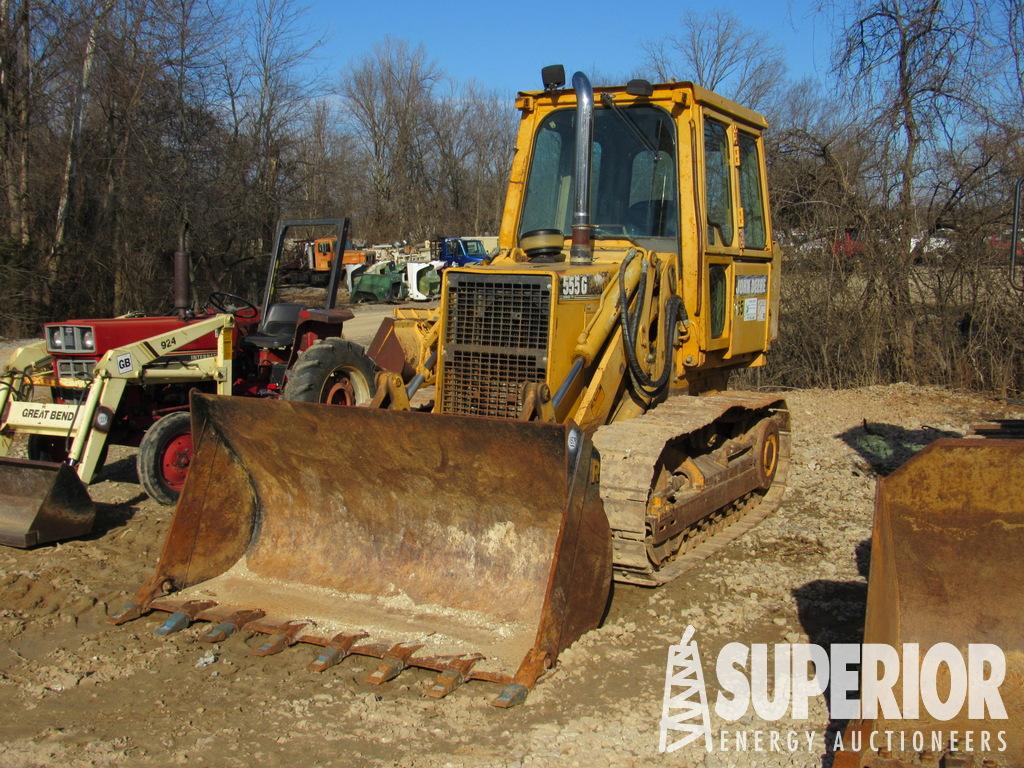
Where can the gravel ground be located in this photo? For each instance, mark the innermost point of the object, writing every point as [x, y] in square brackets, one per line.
[82, 693]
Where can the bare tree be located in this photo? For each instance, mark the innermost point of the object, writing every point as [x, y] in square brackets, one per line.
[913, 61]
[276, 98]
[16, 67]
[388, 96]
[75, 133]
[492, 134]
[717, 51]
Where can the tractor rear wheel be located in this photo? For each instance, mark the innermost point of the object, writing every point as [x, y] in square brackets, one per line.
[164, 457]
[332, 371]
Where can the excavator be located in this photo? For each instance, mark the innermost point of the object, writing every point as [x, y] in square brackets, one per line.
[560, 421]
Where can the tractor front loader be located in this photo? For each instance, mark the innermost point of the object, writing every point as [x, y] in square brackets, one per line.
[127, 381]
[560, 420]
[43, 501]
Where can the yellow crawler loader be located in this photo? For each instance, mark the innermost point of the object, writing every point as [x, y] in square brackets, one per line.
[560, 420]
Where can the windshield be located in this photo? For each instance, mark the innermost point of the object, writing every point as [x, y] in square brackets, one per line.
[633, 189]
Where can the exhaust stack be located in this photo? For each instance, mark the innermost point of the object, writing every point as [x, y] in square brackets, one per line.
[582, 250]
[182, 285]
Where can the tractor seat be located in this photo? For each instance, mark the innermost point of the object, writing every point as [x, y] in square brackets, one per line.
[277, 331]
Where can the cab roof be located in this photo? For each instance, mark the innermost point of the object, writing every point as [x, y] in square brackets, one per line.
[662, 91]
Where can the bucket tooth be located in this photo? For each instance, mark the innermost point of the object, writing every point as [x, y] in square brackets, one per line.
[336, 650]
[221, 631]
[183, 617]
[452, 676]
[394, 661]
[446, 682]
[218, 633]
[511, 695]
[128, 612]
[277, 642]
[176, 622]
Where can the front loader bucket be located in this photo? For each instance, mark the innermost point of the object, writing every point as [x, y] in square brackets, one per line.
[41, 502]
[471, 546]
[946, 567]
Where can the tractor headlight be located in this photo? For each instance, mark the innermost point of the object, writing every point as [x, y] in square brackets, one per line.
[70, 338]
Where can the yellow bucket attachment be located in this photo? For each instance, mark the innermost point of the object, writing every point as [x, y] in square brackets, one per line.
[41, 502]
[947, 567]
[471, 546]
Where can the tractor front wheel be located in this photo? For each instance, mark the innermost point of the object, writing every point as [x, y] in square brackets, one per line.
[332, 371]
[165, 454]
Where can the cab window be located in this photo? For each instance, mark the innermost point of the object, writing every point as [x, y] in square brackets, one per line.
[633, 184]
[751, 197]
[716, 287]
[718, 183]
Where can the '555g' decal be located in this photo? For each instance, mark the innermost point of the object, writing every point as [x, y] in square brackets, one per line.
[584, 286]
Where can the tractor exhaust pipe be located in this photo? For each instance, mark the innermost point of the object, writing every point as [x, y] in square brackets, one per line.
[582, 250]
[182, 285]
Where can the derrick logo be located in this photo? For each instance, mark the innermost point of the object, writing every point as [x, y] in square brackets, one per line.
[936, 683]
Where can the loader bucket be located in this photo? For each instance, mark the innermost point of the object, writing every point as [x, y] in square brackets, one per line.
[946, 567]
[40, 502]
[475, 547]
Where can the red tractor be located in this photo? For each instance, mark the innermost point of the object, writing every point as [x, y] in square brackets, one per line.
[127, 381]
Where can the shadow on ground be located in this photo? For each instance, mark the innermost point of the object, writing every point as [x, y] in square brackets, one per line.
[886, 447]
[112, 516]
[120, 471]
[832, 612]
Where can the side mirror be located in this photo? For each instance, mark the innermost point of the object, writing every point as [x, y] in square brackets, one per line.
[553, 77]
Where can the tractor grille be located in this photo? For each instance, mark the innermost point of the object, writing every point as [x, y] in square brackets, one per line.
[76, 369]
[496, 338]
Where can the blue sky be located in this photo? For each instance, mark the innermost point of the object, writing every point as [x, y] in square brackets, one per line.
[504, 45]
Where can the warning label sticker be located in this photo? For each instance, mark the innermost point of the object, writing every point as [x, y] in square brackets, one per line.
[750, 310]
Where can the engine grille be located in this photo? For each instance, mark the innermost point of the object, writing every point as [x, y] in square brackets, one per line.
[496, 338]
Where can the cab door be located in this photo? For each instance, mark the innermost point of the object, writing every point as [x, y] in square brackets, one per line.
[738, 261]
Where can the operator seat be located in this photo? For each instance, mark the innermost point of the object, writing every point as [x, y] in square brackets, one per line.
[652, 218]
[277, 331]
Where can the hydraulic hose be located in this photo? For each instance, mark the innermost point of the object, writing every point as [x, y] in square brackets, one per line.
[648, 386]
[27, 388]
